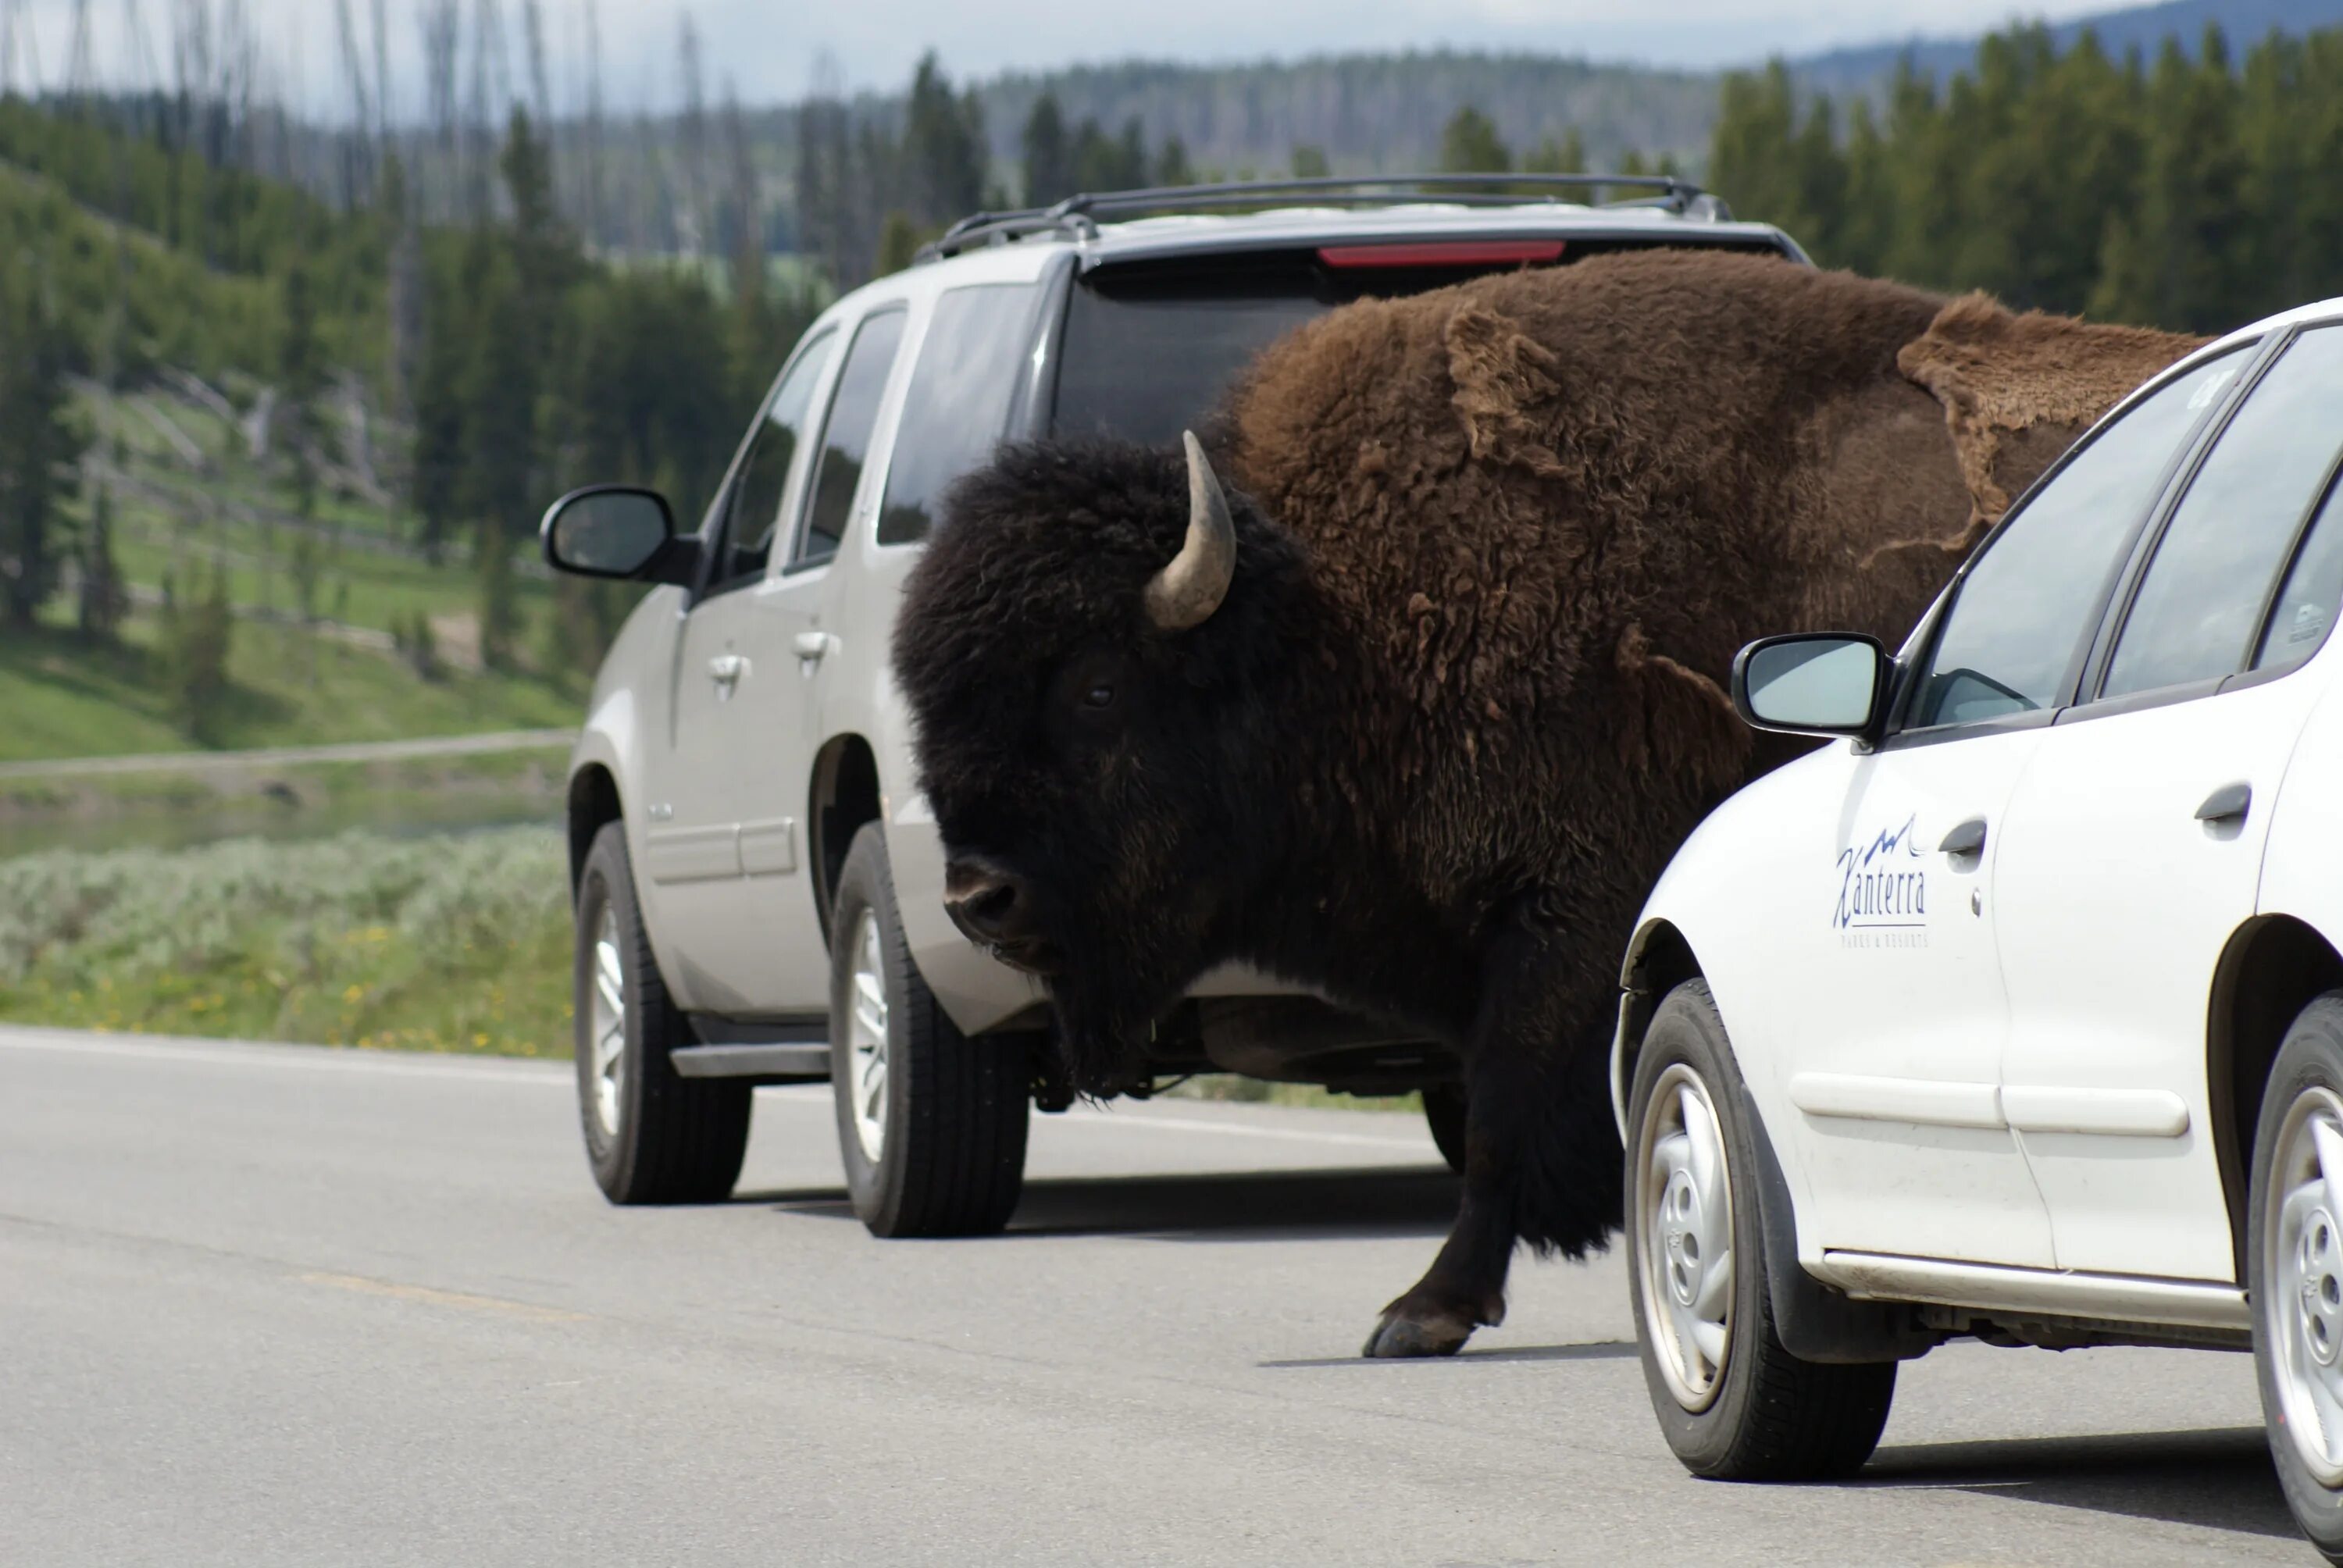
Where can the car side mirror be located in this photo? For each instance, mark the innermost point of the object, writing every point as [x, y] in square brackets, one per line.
[617, 531]
[1823, 683]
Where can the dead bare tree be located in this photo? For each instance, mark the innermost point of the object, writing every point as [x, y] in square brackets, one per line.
[359, 164]
[593, 128]
[748, 209]
[540, 91]
[440, 32]
[694, 129]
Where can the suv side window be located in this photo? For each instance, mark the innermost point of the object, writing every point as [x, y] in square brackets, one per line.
[957, 405]
[2030, 598]
[2200, 606]
[759, 495]
[846, 435]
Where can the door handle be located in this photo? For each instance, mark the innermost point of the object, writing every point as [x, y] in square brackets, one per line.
[728, 668]
[811, 644]
[2226, 804]
[1968, 838]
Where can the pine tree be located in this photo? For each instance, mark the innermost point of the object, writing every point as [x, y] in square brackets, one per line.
[1310, 162]
[105, 598]
[1049, 155]
[1469, 145]
[500, 603]
[40, 445]
[1550, 156]
[198, 638]
[300, 382]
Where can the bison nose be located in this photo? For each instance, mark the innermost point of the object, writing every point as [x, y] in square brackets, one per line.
[989, 905]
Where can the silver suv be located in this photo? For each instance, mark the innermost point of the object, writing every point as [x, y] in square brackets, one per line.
[758, 882]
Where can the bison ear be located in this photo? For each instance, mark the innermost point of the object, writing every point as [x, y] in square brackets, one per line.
[1996, 371]
[1506, 389]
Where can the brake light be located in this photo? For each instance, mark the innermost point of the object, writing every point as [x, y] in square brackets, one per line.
[1443, 253]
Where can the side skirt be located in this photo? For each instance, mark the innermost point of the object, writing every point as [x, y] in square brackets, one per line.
[2210, 1313]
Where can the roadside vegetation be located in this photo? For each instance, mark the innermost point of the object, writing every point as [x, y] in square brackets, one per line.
[440, 943]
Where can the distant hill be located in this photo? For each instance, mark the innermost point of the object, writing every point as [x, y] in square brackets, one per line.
[2141, 28]
[1366, 111]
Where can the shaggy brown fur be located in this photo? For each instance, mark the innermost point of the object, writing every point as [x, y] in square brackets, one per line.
[1497, 548]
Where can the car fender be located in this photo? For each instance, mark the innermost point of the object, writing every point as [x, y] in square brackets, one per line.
[1708, 917]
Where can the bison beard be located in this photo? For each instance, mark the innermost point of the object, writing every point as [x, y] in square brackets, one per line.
[1423, 737]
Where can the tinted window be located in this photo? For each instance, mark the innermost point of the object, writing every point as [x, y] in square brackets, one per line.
[2306, 606]
[761, 493]
[1143, 363]
[2029, 598]
[846, 436]
[958, 404]
[2198, 609]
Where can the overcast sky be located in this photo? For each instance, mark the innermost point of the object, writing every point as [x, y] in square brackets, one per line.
[768, 50]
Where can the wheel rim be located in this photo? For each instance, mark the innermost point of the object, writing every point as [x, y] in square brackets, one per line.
[1684, 1216]
[609, 1024]
[2300, 1298]
[866, 1038]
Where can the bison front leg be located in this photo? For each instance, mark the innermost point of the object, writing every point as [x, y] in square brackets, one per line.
[1542, 1158]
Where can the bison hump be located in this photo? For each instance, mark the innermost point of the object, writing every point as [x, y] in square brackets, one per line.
[1506, 385]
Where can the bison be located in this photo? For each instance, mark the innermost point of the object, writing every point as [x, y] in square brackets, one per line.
[1413, 707]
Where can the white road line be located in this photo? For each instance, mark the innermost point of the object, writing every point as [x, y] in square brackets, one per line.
[1110, 1119]
[295, 1058]
[184, 1051]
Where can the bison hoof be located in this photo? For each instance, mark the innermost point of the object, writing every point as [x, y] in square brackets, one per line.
[1404, 1334]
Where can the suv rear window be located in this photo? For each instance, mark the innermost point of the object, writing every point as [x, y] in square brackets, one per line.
[1149, 347]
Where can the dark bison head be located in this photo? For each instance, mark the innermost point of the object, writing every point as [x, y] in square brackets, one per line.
[1093, 650]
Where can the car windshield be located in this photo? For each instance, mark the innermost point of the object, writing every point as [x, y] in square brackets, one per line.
[1151, 347]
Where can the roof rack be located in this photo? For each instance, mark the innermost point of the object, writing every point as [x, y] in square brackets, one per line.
[1079, 215]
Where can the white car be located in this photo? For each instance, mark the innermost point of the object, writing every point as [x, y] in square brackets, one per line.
[759, 883]
[2015, 1011]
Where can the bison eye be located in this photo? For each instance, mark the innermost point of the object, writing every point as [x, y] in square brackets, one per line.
[1099, 695]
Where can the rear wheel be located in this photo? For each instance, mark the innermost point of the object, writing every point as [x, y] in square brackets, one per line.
[1733, 1404]
[652, 1136]
[2295, 1260]
[931, 1123]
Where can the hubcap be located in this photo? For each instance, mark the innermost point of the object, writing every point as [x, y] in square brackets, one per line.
[2301, 1295]
[866, 1035]
[609, 1024]
[1684, 1218]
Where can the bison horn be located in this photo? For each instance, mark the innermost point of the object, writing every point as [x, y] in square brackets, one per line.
[1191, 585]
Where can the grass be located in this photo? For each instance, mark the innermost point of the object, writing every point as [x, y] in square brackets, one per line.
[66, 697]
[447, 943]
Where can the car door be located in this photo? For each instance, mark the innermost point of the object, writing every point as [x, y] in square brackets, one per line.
[2134, 843]
[722, 843]
[1895, 1061]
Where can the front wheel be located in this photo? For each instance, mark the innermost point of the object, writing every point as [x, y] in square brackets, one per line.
[931, 1123]
[2294, 1258]
[1733, 1404]
[652, 1135]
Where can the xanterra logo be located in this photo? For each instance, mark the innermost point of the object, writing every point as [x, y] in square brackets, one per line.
[1880, 888]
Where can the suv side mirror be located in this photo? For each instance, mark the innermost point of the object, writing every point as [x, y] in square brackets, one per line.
[617, 531]
[1821, 683]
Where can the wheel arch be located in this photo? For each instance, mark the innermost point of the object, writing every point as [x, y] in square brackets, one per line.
[594, 801]
[845, 794]
[1659, 958]
[2272, 968]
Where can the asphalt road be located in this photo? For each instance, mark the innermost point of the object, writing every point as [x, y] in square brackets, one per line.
[269, 1304]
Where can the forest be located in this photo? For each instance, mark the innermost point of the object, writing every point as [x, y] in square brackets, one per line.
[243, 408]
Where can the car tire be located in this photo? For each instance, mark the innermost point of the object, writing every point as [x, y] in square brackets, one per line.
[1733, 1403]
[931, 1122]
[1443, 1112]
[652, 1136]
[2294, 1268]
